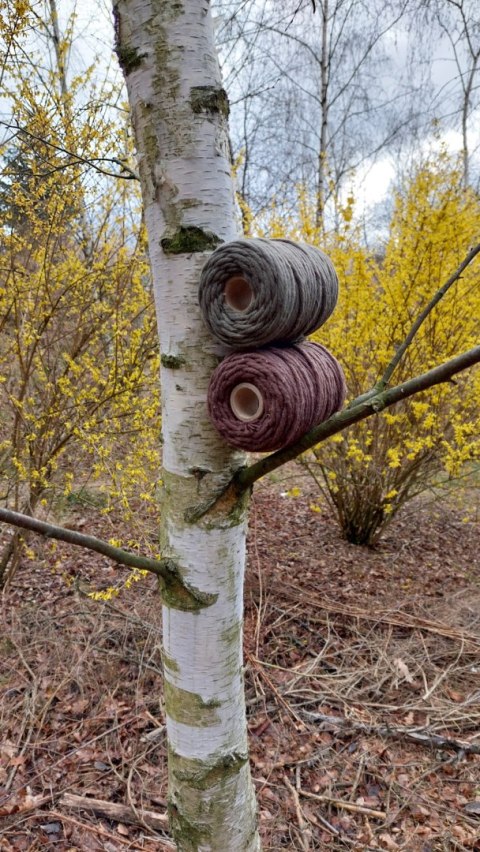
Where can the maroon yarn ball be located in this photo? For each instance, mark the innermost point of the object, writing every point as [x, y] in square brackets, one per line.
[262, 401]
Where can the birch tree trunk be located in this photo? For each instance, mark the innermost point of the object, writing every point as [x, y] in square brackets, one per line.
[167, 53]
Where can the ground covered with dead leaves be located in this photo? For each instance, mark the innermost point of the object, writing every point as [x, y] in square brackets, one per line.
[362, 678]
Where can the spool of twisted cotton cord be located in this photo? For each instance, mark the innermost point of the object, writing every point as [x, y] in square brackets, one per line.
[257, 292]
[264, 400]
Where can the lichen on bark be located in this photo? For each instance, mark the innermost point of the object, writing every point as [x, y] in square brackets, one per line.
[201, 775]
[191, 820]
[189, 708]
[129, 57]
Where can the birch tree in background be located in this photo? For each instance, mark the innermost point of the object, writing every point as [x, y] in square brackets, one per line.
[457, 104]
[178, 107]
[318, 99]
[314, 96]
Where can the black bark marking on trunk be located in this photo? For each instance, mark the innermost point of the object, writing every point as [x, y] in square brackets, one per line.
[208, 99]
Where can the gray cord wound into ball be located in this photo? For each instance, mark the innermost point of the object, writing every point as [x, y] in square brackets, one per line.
[256, 292]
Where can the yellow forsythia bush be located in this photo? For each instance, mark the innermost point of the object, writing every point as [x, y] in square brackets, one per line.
[79, 394]
[373, 468]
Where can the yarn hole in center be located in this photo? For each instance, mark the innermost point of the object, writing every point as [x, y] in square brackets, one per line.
[238, 293]
[246, 402]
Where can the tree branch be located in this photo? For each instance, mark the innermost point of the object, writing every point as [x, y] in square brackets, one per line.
[161, 567]
[383, 382]
[361, 408]
[126, 173]
[175, 589]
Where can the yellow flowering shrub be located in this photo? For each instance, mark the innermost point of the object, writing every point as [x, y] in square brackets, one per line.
[79, 362]
[374, 467]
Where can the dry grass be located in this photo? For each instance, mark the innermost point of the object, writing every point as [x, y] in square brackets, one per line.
[354, 703]
[81, 713]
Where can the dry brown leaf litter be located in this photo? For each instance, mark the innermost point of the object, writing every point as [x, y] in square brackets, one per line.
[350, 655]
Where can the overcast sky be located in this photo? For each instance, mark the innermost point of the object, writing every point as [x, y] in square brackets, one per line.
[94, 38]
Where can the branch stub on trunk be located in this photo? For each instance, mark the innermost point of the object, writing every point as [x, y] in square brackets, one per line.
[209, 99]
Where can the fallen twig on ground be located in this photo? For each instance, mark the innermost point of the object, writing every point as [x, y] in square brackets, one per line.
[259, 668]
[115, 811]
[301, 822]
[346, 806]
[424, 737]
[101, 832]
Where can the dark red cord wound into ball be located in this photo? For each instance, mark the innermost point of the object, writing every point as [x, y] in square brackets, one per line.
[262, 401]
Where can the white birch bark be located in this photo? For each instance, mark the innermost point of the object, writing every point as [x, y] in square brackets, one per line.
[178, 107]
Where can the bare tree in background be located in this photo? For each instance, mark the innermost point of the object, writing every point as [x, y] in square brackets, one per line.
[313, 96]
[457, 102]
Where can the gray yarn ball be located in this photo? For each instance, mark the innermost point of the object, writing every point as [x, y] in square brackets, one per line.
[255, 292]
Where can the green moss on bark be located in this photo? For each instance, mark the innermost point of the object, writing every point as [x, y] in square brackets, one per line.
[190, 239]
[129, 57]
[203, 775]
[178, 594]
[168, 662]
[181, 596]
[211, 784]
[172, 362]
[188, 836]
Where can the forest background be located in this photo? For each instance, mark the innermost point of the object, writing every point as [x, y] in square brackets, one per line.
[323, 107]
[328, 111]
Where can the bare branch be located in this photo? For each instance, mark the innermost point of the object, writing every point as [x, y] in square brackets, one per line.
[423, 737]
[422, 317]
[173, 585]
[161, 567]
[126, 172]
[361, 408]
